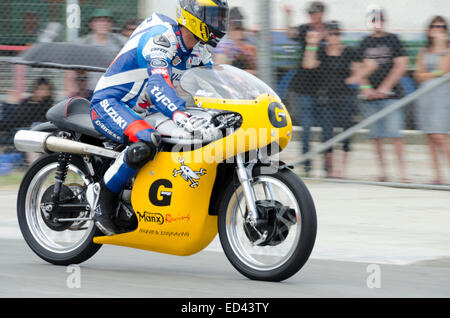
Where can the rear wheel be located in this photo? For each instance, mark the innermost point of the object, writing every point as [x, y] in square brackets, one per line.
[60, 243]
[281, 242]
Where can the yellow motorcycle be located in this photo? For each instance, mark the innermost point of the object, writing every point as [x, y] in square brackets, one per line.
[194, 188]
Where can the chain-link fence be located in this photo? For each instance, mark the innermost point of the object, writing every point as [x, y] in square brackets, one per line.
[26, 93]
[337, 77]
[331, 73]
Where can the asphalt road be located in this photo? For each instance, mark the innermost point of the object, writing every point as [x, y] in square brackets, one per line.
[372, 242]
[122, 272]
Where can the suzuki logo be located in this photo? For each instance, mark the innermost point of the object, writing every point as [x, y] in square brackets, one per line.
[113, 114]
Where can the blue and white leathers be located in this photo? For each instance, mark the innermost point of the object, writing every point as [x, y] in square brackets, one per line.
[151, 62]
[145, 73]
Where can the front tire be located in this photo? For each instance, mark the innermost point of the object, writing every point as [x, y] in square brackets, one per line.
[275, 261]
[70, 246]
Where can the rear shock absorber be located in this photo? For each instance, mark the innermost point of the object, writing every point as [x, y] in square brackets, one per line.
[61, 174]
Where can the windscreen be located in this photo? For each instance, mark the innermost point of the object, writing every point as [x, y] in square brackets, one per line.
[223, 82]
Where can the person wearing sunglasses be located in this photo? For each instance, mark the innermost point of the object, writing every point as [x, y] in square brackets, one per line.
[335, 63]
[433, 109]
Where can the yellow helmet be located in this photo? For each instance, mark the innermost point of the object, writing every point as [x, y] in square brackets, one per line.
[206, 19]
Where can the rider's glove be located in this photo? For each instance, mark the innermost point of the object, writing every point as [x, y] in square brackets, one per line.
[195, 125]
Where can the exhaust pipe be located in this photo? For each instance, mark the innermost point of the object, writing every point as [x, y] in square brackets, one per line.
[44, 142]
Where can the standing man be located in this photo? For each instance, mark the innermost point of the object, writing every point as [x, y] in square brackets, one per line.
[306, 82]
[382, 88]
[100, 23]
[336, 62]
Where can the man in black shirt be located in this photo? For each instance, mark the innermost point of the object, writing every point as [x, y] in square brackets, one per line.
[335, 63]
[306, 82]
[381, 87]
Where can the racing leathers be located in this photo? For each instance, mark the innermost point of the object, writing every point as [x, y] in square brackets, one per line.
[144, 74]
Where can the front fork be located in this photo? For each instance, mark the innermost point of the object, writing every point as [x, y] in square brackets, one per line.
[245, 178]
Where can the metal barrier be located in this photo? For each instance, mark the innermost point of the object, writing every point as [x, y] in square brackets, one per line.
[373, 119]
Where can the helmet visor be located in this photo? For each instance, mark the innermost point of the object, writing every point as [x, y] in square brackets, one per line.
[216, 18]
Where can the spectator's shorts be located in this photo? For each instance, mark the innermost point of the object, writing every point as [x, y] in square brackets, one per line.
[387, 127]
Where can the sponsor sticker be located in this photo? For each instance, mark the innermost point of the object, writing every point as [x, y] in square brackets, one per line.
[148, 217]
[159, 63]
[188, 174]
[204, 32]
[112, 113]
[163, 99]
[176, 61]
[160, 71]
[161, 40]
[159, 193]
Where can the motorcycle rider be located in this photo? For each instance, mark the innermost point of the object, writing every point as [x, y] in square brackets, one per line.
[145, 74]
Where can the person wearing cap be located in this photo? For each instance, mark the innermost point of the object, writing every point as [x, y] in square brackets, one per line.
[381, 87]
[100, 23]
[335, 63]
[306, 81]
[235, 49]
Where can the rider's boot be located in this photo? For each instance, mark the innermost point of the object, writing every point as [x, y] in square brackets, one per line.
[107, 200]
[116, 178]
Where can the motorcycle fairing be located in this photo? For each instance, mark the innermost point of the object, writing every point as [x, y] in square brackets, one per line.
[171, 195]
[171, 199]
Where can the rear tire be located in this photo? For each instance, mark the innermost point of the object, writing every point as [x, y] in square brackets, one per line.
[27, 214]
[305, 240]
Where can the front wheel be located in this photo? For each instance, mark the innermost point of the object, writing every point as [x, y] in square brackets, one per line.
[281, 242]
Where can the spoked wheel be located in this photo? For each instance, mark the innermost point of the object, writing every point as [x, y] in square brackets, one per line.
[279, 244]
[58, 242]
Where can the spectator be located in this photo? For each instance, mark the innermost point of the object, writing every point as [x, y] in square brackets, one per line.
[434, 107]
[382, 88]
[100, 23]
[235, 49]
[306, 81]
[31, 110]
[335, 63]
[81, 81]
[129, 27]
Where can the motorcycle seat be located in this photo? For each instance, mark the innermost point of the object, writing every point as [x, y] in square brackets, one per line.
[73, 114]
